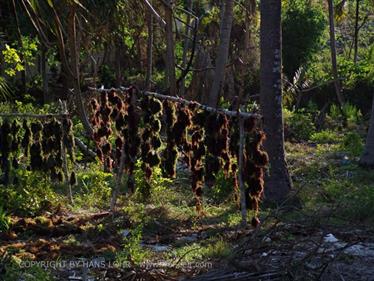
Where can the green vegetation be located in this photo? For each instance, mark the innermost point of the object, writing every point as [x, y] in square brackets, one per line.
[53, 53]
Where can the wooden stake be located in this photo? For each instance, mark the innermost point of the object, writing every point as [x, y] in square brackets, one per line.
[64, 158]
[241, 166]
[119, 176]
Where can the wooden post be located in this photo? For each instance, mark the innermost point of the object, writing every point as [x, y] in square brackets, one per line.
[64, 158]
[241, 166]
[118, 180]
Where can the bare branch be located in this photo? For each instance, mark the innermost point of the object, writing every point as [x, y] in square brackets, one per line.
[154, 12]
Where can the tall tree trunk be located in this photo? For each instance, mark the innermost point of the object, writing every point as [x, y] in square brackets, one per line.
[44, 74]
[367, 158]
[148, 77]
[278, 183]
[20, 44]
[223, 53]
[118, 51]
[333, 54]
[356, 32]
[74, 66]
[186, 45]
[170, 55]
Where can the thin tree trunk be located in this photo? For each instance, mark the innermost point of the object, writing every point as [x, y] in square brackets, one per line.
[356, 32]
[148, 77]
[278, 182]
[19, 38]
[333, 54]
[223, 53]
[170, 55]
[367, 158]
[118, 49]
[243, 207]
[74, 65]
[43, 70]
[185, 46]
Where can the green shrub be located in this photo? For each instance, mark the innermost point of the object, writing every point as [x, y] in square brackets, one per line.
[325, 136]
[350, 111]
[4, 220]
[353, 144]
[303, 25]
[222, 189]
[133, 252]
[32, 195]
[356, 200]
[93, 189]
[14, 271]
[299, 124]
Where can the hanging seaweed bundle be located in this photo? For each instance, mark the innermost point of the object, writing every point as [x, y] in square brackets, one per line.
[181, 125]
[196, 165]
[223, 146]
[214, 145]
[15, 139]
[120, 121]
[73, 179]
[36, 157]
[170, 153]
[116, 103]
[5, 148]
[47, 141]
[95, 107]
[151, 141]
[5, 138]
[26, 138]
[105, 109]
[131, 134]
[45, 152]
[254, 163]
[234, 135]
[36, 129]
[68, 137]
[180, 132]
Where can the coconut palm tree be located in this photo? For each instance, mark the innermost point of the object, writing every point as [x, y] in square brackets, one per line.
[278, 183]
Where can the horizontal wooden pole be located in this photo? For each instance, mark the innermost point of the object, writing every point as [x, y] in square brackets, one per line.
[244, 115]
[30, 115]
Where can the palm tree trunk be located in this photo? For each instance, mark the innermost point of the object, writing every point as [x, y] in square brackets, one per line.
[333, 54]
[223, 53]
[367, 158]
[278, 183]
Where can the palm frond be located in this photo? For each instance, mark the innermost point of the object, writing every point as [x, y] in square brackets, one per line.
[5, 89]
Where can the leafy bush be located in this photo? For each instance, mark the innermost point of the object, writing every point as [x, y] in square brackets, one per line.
[353, 144]
[30, 196]
[94, 188]
[325, 136]
[4, 220]
[351, 112]
[133, 252]
[222, 189]
[302, 28]
[357, 200]
[107, 76]
[14, 271]
[299, 124]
